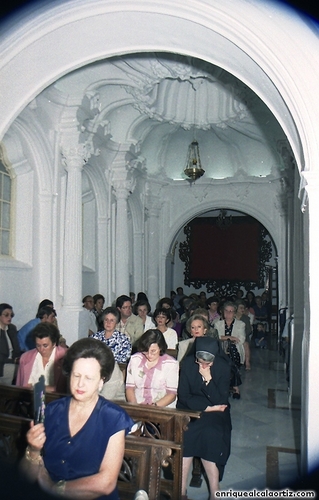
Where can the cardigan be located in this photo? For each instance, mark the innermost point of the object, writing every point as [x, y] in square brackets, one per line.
[26, 365]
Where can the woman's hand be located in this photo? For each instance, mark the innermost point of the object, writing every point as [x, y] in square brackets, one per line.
[234, 339]
[205, 373]
[216, 408]
[50, 388]
[36, 436]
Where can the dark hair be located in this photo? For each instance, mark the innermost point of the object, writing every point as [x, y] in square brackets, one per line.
[5, 306]
[86, 297]
[253, 296]
[212, 299]
[150, 337]
[43, 330]
[141, 296]
[141, 303]
[164, 300]
[97, 297]
[240, 302]
[173, 313]
[121, 299]
[187, 302]
[110, 310]
[260, 324]
[90, 348]
[198, 317]
[165, 312]
[44, 303]
[45, 311]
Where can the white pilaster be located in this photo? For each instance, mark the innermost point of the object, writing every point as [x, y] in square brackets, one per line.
[73, 160]
[154, 208]
[123, 184]
[310, 405]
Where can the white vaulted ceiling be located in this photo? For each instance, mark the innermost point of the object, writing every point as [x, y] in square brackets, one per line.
[160, 101]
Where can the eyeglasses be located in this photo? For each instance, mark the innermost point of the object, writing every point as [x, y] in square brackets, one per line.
[7, 315]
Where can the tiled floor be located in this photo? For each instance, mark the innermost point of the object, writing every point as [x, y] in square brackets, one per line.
[265, 435]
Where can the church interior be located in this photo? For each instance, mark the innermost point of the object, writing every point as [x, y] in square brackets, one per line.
[122, 124]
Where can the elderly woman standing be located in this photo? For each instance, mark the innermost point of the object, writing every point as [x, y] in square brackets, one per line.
[83, 435]
[204, 386]
[152, 375]
[46, 359]
[232, 332]
[9, 345]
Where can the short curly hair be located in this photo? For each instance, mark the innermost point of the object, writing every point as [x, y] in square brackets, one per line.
[44, 330]
[90, 348]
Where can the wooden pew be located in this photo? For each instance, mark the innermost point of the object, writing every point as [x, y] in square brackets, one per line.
[170, 423]
[16, 401]
[13, 436]
[167, 423]
[141, 468]
[158, 424]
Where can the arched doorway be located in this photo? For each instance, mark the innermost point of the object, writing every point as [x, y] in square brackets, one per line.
[265, 70]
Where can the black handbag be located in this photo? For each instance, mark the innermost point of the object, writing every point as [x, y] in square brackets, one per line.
[231, 351]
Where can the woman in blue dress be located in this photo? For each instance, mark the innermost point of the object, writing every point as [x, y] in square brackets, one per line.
[78, 451]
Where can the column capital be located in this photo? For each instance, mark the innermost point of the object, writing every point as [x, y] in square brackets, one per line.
[75, 156]
[123, 188]
[122, 177]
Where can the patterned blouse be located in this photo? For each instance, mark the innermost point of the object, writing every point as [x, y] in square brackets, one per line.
[229, 329]
[118, 342]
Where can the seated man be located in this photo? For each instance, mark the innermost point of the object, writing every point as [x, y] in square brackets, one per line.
[45, 313]
[87, 319]
[129, 324]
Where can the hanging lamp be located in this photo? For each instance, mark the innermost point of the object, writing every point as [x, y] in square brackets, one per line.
[193, 168]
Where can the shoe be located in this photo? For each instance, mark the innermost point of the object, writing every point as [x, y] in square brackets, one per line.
[236, 395]
[247, 368]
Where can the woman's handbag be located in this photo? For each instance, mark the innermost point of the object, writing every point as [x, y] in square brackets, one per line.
[231, 350]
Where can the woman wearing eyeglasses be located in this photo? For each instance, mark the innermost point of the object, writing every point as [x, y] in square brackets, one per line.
[204, 386]
[9, 345]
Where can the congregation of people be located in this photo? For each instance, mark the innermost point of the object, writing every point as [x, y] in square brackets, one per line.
[187, 354]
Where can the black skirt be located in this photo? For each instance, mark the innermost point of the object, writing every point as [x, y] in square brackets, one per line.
[209, 438]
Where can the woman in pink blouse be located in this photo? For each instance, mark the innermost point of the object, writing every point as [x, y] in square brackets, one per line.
[152, 375]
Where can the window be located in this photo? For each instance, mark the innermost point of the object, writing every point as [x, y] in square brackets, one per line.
[5, 210]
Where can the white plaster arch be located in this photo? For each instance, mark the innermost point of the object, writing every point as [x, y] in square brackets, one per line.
[30, 133]
[100, 188]
[237, 31]
[216, 204]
